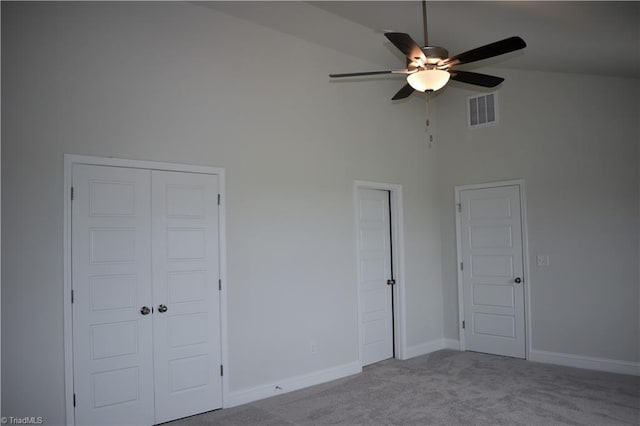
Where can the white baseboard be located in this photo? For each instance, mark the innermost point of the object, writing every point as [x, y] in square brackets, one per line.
[601, 364]
[452, 344]
[432, 346]
[293, 383]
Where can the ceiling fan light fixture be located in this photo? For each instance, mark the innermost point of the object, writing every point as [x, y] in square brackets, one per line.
[428, 80]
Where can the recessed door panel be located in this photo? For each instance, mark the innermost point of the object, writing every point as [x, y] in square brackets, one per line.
[496, 295]
[184, 201]
[113, 292]
[186, 329]
[188, 373]
[115, 388]
[373, 239]
[373, 209]
[375, 332]
[186, 243]
[374, 301]
[186, 286]
[493, 265]
[489, 208]
[373, 270]
[490, 237]
[112, 198]
[494, 325]
[113, 245]
[114, 339]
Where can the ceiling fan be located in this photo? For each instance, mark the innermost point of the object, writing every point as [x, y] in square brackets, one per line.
[429, 68]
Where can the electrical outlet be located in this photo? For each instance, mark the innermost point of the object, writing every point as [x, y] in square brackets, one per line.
[542, 260]
[313, 347]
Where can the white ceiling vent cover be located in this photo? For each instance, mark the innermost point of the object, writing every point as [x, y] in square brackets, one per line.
[482, 110]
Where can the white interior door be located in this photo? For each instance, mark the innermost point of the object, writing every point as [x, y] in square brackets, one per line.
[492, 270]
[111, 281]
[185, 293]
[374, 257]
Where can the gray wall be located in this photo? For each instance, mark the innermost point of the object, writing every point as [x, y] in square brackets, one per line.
[574, 140]
[179, 82]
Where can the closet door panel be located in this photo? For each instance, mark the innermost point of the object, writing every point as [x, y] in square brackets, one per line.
[111, 282]
[186, 325]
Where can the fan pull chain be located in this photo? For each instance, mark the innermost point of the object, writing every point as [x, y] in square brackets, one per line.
[428, 120]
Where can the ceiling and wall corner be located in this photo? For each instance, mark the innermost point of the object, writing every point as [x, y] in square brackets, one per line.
[588, 37]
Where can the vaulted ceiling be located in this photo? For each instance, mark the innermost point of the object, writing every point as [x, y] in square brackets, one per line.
[588, 37]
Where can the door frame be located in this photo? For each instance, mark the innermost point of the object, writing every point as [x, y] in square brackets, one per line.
[69, 161]
[525, 257]
[397, 243]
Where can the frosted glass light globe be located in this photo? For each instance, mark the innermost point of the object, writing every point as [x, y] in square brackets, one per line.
[428, 80]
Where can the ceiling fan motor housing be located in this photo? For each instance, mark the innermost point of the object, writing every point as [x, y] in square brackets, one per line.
[435, 54]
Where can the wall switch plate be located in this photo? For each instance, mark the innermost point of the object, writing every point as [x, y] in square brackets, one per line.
[542, 260]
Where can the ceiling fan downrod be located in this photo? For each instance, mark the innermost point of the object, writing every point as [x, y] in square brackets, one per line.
[424, 22]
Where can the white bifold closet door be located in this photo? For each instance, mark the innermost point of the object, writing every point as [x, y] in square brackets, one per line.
[146, 308]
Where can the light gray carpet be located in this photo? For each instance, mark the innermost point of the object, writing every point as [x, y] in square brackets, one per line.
[449, 387]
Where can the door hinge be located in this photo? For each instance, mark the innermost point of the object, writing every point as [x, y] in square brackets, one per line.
[74, 399]
[463, 324]
[71, 296]
[461, 266]
[221, 370]
[72, 193]
[218, 199]
[460, 207]
[220, 284]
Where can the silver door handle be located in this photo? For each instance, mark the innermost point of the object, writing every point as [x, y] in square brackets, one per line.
[518, 280]
[145, 310]
[162, 308]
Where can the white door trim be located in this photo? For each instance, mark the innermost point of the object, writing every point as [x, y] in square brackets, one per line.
[397, 231]
[525, 257]
[69, 161]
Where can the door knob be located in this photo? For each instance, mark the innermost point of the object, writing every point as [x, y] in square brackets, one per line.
[162, 308]
[145, 310]
[518, 280]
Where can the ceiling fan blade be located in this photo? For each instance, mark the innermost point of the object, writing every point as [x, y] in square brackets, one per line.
[487, 51]
[403, 93]
[478, 79]
[405, 43]
[358, 74]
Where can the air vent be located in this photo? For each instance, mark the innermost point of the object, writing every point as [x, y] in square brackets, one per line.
[482, 110]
